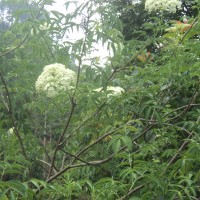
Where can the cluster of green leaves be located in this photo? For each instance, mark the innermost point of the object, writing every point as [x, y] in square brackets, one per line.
[142, 144]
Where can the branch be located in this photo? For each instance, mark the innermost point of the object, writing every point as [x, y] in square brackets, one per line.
[177, 109]
[6, 105]
[73, 105]
[64, 170]
[13, 49]
[10, 113]
[85, 163]
[97, 141]
[131, 192]
[180, 108]
[185, 143]
[107, 134]
[49, 48]
[83, 123]
[95, 162]
[193, 98]
[46, 163]
[131, 60]
[23, 40]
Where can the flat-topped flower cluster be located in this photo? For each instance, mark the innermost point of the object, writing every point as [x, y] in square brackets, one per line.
[55, 79]
[162, 5]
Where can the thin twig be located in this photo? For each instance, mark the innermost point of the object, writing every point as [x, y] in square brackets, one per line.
[131, 192]
[94, 162]
[185, 143]
[107, 134]
[115, 70]
[193, 98]
[6, 105]
[83, 123]
[24, 39]
[48, 164]
[16, 47]
[98, 140]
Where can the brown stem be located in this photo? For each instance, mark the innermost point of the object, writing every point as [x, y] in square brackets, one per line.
[107, 134]
[94, 162]
[180, 108]
[10, 112]
[13, 49]
[185, 143]
[126, 64]
[97, 141]
[83, 123]
[193, 98]
[73, 105]
[85, 163]
[131, 192]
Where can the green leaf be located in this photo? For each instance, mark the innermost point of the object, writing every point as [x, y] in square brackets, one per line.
[12, 196]
[37, 183]
[18, 187]
[127, 141]
[156, 180]
[116, 146]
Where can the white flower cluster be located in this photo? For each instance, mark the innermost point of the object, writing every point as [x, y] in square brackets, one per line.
[113, 91]
[162, 5]
[54, 79]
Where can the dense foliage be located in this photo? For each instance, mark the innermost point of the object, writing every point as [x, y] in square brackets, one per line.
[128, 129]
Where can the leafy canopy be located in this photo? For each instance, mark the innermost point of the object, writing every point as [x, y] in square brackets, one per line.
[129, 128]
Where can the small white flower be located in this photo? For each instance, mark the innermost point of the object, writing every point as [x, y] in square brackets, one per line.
[113, 91]
[185, 20]
[54, 79]
[11, 131]
[162, 5]
[44, 26]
